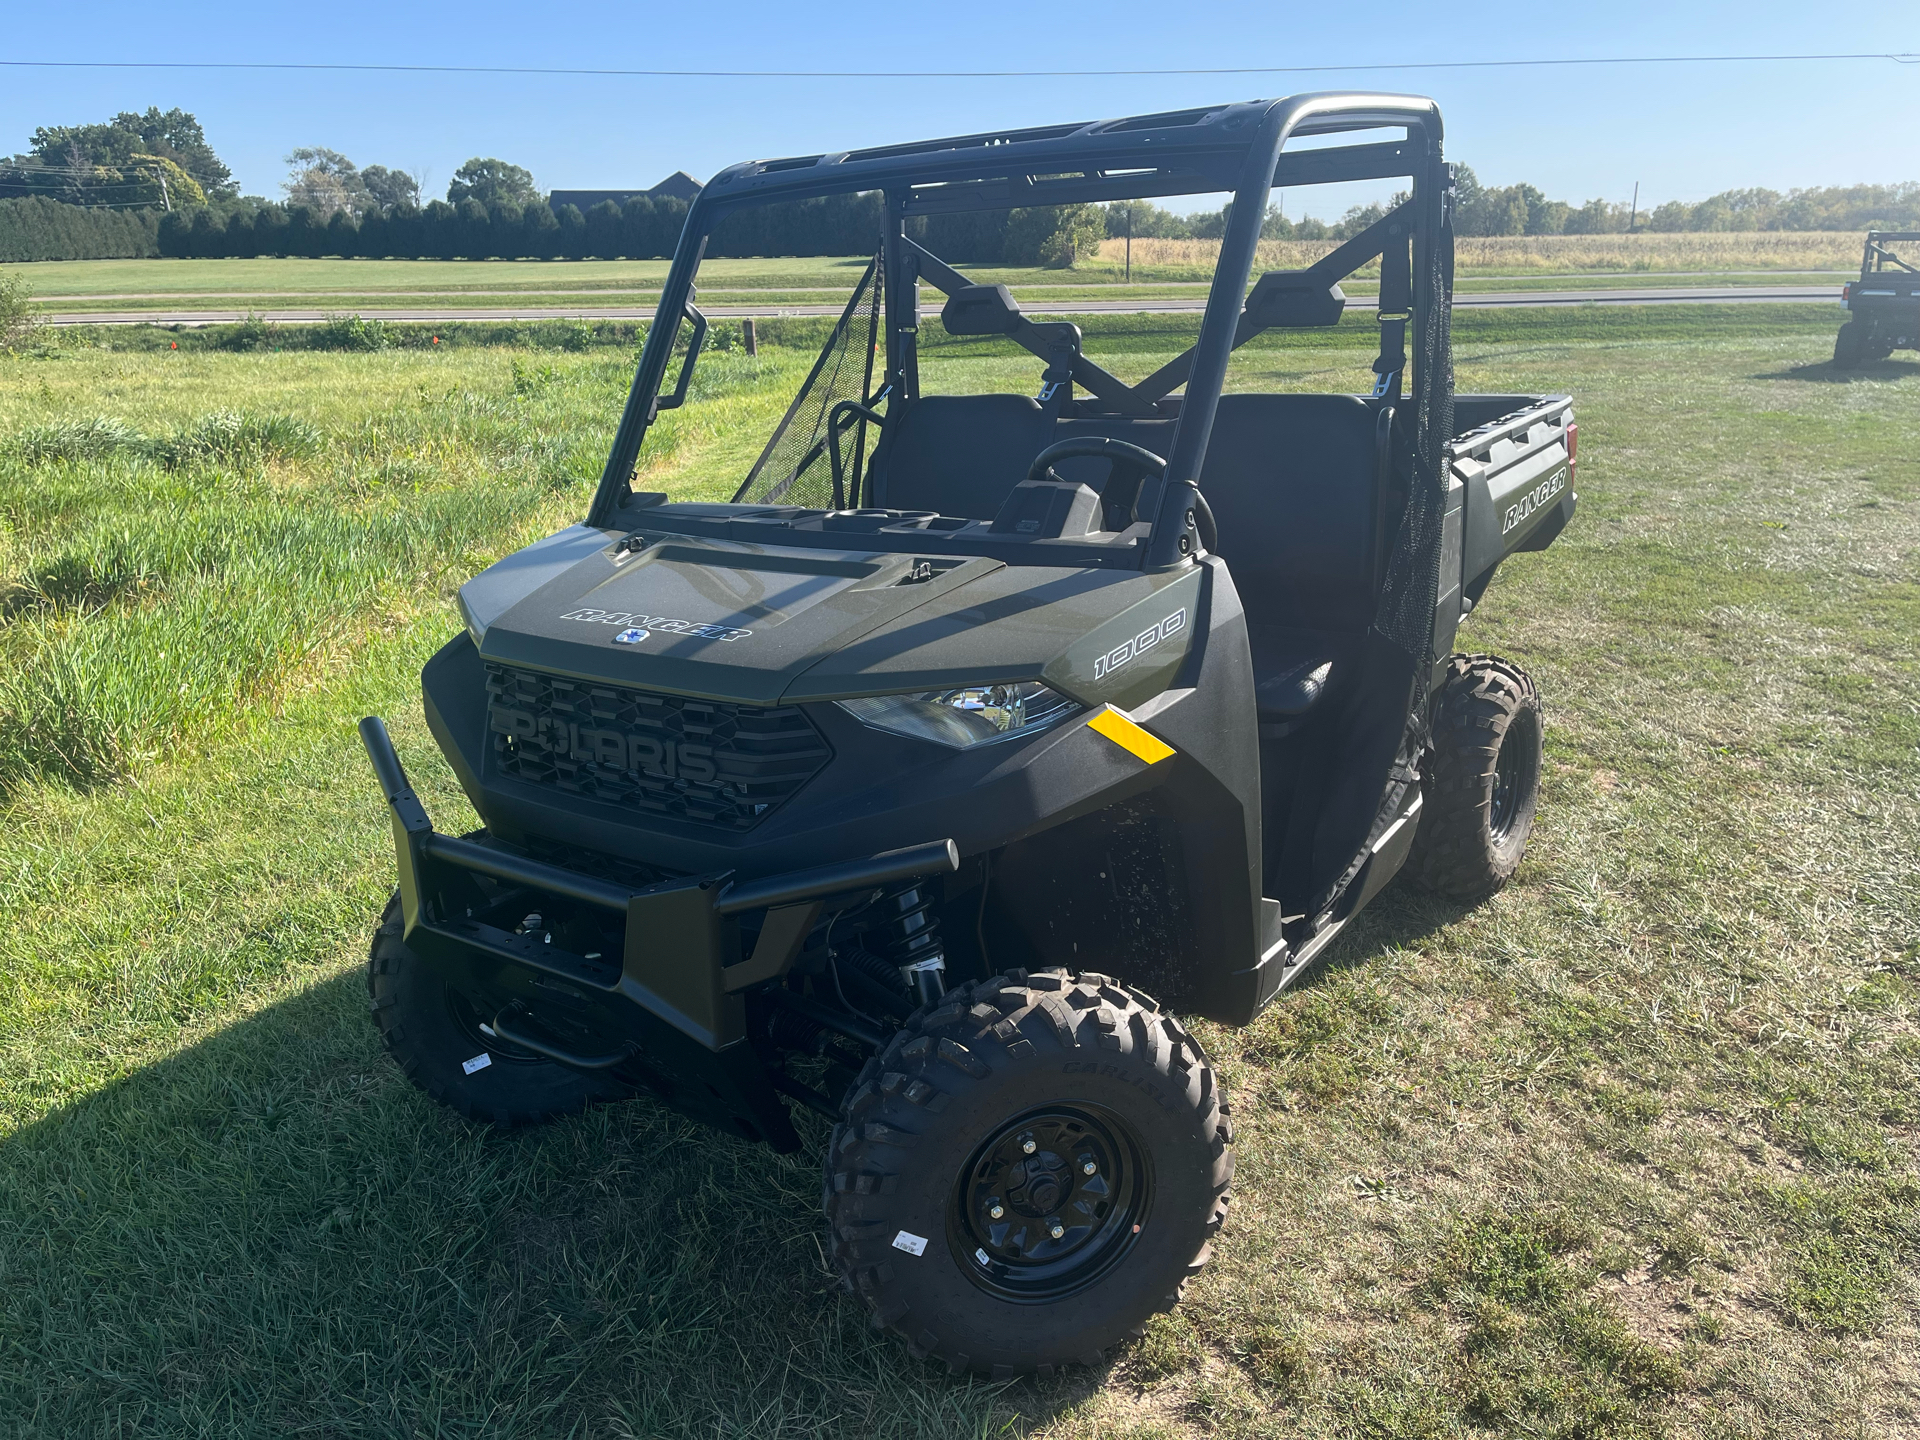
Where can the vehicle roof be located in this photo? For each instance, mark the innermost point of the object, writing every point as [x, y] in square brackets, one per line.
[1175, 152]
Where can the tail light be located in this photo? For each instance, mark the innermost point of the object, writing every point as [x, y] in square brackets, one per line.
[1573, 444]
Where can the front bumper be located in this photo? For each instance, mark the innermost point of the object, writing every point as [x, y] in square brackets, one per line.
[671, 1011]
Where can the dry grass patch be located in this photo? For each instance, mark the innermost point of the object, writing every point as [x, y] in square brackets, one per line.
[1546, 254]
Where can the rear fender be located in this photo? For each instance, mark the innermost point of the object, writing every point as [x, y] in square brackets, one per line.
[1516, 478]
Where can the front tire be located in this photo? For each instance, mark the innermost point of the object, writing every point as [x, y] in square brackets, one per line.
[1028, 1172]
[1482, 779]
[435, 1034]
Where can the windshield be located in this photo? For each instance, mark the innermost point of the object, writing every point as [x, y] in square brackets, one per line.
[974, 340]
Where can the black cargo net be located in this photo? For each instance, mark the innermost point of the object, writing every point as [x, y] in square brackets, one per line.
[1401, 637]
[1411, 587]
[817, 452]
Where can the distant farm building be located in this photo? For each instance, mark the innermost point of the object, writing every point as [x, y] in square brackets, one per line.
[677, 186]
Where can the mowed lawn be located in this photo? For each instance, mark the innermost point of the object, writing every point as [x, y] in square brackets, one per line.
[1161, 270]
[1626, 1152]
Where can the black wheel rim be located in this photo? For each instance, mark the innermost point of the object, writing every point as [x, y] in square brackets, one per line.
[1512, 774]
[1072, 1186]
[466, 1015]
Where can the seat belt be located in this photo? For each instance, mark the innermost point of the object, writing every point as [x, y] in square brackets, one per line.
[1056, 381]
[1396, 308]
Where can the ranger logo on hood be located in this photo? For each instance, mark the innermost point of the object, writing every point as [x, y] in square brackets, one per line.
[665, 624]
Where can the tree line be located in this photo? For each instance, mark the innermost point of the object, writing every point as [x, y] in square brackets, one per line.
[151, 184]
[1524, 210]
[438, 230]
[36, 228]
[642, 228]
[159, 159]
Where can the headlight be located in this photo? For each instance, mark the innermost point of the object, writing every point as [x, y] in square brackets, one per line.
[971, 715]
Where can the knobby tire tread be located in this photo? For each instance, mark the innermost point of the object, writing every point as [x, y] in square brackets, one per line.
[429, 1055]
[931, 1068]
[1454, 853]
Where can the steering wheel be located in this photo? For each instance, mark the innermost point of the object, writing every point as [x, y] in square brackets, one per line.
[1132, 464]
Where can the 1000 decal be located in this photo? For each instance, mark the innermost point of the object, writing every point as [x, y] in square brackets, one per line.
[1136, 646]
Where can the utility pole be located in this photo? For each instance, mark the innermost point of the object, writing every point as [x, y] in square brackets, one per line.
[1633, 214]
[166, 196]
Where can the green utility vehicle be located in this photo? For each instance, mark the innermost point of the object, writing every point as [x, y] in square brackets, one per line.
[981, 736]
[1883, 304]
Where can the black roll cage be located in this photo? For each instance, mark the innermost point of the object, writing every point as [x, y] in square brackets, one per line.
[1879, 259]
[1237, 148]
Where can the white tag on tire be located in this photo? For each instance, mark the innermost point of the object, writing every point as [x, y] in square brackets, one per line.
[911, 1243]
[479, 1062]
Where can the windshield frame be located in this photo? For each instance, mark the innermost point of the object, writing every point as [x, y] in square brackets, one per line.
[1237, 147]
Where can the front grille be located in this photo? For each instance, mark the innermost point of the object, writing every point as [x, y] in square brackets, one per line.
[702, 761]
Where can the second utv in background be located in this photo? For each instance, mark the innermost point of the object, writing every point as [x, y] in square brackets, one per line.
[1883, 305]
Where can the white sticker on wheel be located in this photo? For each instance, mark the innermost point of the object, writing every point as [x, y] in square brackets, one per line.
[479, 1062]
[983, 1257]
[913, 1244]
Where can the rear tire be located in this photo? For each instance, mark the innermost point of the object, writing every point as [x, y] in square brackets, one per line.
[1481, 779]
[433, 1033]
[934, 1137]
[1850, 346]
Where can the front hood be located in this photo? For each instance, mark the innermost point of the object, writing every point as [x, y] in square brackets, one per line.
[765, 625]
[712, 619]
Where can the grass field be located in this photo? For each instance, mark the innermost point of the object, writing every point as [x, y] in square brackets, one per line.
[1643, 253]
[1036, 296]
[1627, 1152]
[1585, 262]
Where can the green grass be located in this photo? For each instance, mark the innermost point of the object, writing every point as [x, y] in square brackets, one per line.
[339, 285]
[276, 274]
[1626, 1152]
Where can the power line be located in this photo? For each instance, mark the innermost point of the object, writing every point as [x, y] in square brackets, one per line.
[1898, 57]
[7, 168]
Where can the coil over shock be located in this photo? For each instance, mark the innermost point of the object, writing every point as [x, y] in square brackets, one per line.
[907, 933]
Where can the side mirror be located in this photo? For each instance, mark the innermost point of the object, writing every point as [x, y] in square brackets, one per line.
[679, 395]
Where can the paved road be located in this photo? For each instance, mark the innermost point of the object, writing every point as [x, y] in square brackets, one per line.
[1472, 300]
[645, 290]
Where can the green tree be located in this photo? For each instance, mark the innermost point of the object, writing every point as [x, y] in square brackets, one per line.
[1054, 235]
[1212, 225]
[390, 187]
[112, 145]
[39, 227]
[1478, 210]
[1674, 215]
[1149, 221]
[492, 182]
[1358, 218]
[325, 181]
[1597, 217]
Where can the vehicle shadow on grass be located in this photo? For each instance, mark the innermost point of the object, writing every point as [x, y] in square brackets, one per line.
[1398, 917]
[272, 1229]
[1827, 373]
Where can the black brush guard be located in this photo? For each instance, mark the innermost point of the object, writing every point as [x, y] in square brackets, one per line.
[671, 1013]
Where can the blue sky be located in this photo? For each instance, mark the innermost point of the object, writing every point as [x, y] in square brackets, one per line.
[1681, 131]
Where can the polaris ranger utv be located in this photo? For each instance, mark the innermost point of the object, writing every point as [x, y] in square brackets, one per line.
[1883, 304]
[900, 787]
